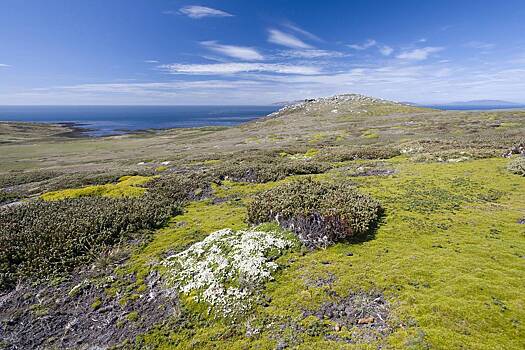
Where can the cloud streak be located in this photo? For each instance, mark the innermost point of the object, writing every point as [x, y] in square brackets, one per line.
[198, 12]
[239, 52]
[239, 67]
[419, 54]
[384, 50]
[285, 39]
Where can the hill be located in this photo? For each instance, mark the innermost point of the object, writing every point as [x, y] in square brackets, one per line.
[346, 222]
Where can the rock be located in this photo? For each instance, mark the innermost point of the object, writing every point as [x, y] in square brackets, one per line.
[365, 320]
[337, 327]
[349, 254]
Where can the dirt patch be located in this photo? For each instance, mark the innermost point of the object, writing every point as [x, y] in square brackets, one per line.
[81, 314]
[364, 314]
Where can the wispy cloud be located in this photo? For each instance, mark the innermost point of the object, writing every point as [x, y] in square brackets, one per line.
[301, 31]
[419, 54]
[151, 61]
[368, 44]
[201, 12]
[480, 45]
[285, 39]
[384, 50]
[240, 52]
[312, 53]
[4, 65]
[240, 67]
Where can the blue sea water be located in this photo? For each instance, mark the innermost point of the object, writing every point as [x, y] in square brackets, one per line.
[114, 120]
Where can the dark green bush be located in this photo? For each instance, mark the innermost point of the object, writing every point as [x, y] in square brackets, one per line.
[265, 170]
[319, 213]
[180, 188]
[8, 197]
[40, 239]
[19, 178]
[347, 154]
[517, 165]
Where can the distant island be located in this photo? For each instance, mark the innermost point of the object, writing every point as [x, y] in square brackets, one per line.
[472, 105]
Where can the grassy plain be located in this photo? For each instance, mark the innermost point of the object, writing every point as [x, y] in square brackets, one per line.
[448, 256]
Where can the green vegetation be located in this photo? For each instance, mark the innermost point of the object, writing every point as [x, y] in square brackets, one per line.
[319, 213]
[180, 264]
[127, 186]
[41, 239]
[517, 166]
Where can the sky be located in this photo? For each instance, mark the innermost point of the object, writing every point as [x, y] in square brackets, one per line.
[155, 52]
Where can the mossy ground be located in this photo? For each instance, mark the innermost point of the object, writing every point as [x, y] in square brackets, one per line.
[448, 257]
[127, 186]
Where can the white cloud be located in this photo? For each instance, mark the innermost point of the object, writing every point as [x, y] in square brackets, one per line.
[240, 52]
[280, 38]
[4, 65]
[201, 12]
[301, 31]
[385, 50]
[151, 61]
[480, 45]
[241, 67]
[368, 44]
[419, 54]
[312, 53]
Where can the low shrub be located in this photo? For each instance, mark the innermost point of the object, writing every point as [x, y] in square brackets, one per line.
[349, 154]
[8, 197]
[180, 188]
[40, 239]
[19, 178]
[319, 213]
[268, 170]
[517, 165]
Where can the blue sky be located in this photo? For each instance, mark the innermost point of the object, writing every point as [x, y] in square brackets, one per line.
[259, 52]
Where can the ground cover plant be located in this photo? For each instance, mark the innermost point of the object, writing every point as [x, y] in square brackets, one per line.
[226, 268]
[517, 166]
[42, 239]
[443, 269]
[127, 186]
[319, 213]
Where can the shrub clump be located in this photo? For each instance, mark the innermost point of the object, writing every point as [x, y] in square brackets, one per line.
[40, 239]
[266, 171]
[517, 166]
[319, 213]
[348, 154]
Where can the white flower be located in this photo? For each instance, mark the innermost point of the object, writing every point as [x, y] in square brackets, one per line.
[226, 267]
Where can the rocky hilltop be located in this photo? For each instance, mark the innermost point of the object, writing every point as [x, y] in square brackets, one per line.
[349, 102]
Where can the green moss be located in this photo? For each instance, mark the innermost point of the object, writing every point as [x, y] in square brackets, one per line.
[96, 304]
[133, 316]
[161, 168]
[452, 269]
[128, 186]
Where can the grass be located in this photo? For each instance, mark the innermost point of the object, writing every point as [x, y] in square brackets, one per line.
[449, 258]
[127, 186]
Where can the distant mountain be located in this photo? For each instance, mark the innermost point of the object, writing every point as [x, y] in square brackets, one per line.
[484, 103]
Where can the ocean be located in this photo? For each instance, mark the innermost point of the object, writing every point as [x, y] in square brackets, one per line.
[115, 120]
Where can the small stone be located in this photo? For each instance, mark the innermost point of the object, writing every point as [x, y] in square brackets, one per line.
[337, 327]
[365, 320]
[349, 254]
